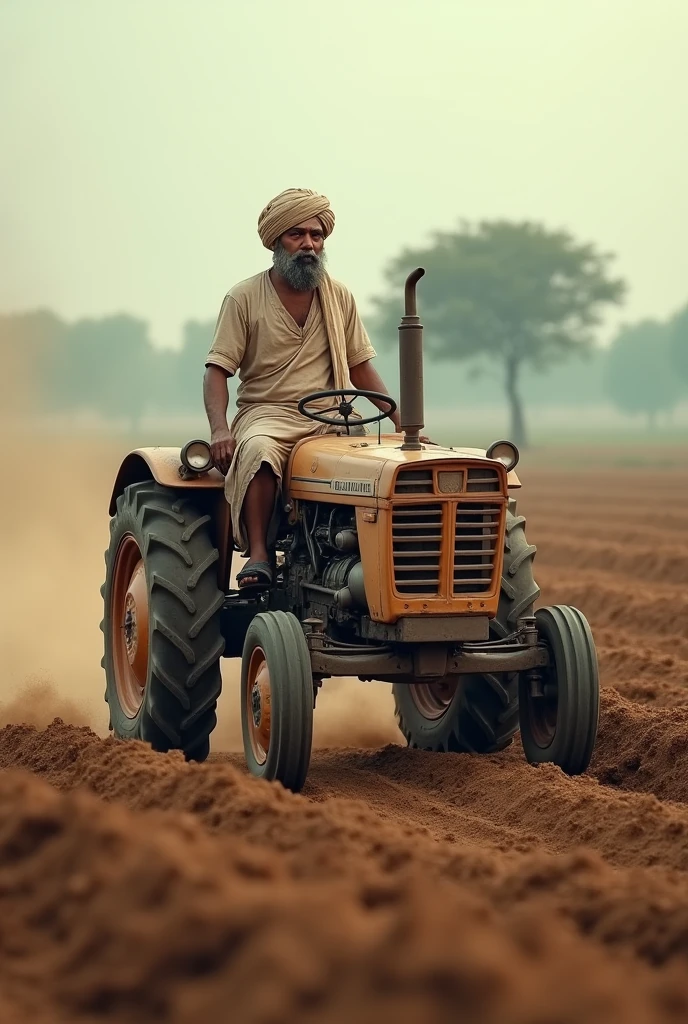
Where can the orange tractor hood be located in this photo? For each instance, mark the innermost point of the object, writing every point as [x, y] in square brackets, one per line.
[356, 467]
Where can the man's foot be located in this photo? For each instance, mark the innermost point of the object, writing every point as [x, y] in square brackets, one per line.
[255, 574]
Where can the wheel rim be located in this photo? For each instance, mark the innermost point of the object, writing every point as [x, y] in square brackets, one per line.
[259, 704]
[130, 626]
[543, 711]
[433, 699]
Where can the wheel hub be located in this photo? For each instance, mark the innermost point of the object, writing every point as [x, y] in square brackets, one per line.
[131, 634]
[543, 706]
[433, 699]
[256, 705]
[258, 698]
[136, 622]
[130, 626]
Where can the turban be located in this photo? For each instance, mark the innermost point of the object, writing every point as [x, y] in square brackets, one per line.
[292, 207]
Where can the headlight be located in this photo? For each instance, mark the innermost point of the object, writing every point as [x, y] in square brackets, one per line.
[505, 452]
[195, 456]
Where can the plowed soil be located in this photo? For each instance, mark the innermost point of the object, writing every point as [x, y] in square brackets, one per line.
[401, 885]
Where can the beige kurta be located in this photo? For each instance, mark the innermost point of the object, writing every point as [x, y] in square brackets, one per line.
[278, 363]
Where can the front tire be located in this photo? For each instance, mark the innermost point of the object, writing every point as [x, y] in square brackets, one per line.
[559, 724]
[277, 699]
[162, 634]
[478, 714]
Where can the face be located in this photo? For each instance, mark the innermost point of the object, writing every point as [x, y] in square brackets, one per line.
[299, 255]
[305, 238]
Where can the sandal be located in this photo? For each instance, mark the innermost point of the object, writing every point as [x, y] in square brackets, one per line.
[261, 571]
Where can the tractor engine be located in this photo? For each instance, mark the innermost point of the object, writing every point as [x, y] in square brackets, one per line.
[345, 577]
[329, 542]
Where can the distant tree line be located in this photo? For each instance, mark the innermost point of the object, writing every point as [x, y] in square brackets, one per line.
[510, 313]
[107, 366]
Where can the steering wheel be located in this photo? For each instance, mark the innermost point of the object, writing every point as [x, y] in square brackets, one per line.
[345, 407]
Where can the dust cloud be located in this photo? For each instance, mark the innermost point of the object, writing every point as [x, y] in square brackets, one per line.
[37, 702]
[54, 534]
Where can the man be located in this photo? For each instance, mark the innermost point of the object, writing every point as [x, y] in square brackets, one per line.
[288, 331]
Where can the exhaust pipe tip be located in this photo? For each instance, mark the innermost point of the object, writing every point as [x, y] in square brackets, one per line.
[410, 291]
[411, 366]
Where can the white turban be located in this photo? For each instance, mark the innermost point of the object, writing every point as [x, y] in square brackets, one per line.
[292, 207]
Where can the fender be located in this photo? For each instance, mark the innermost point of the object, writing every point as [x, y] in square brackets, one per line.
[163, 465]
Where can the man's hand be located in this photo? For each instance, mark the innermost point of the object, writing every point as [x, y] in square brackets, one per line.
[222, 447]
[216, 398]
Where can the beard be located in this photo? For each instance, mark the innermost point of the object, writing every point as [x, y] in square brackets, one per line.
[303, 271]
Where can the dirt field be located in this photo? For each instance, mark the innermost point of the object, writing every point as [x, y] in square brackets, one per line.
[401, 885]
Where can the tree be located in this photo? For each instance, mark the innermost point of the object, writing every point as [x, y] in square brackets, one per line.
[107, 367]
[678, 344]
[510, 293]
[639, 376]
[31, 345]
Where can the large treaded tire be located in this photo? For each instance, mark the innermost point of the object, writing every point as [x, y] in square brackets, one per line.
[482, 716]
[279, 638]
[185, 642]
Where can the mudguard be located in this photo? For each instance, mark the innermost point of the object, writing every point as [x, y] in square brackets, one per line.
[163, 464]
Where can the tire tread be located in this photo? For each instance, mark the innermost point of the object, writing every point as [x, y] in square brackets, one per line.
[186, 642]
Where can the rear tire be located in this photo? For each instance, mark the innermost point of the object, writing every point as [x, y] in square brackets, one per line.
[169, 698]
[277, 699]
[561, 726]
[481, 714]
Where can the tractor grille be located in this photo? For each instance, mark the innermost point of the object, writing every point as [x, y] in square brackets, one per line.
[475, 546]
[414, 481]
[483, 479]
[417, 548]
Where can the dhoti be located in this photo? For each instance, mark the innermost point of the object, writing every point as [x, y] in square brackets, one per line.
[264, 433]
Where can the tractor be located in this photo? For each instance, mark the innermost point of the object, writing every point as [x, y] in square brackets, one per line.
[396, 560]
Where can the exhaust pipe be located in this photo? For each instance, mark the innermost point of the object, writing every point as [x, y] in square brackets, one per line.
[411, 366]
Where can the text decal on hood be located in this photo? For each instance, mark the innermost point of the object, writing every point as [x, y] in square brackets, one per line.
[363, 487]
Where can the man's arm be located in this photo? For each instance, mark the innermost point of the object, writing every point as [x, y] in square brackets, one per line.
[224, 358]
[365, 377]
[216, 399]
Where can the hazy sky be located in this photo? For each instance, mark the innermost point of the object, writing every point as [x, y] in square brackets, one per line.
[141, 138]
